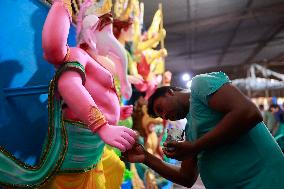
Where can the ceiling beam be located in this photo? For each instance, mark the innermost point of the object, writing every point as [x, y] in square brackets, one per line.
[278, 57]
[234, 33]
[216, 51]
[234, 71]
[254, 27]
[265, 39]
[238, 71]
[277, 8]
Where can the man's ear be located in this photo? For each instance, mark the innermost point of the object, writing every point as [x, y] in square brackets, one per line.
[170, 92]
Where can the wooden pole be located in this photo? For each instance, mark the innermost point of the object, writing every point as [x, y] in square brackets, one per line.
[162, 25]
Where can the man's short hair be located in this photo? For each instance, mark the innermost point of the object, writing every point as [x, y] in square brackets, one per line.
[158, 93]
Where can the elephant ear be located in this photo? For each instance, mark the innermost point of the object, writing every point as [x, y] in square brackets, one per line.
[85, 31]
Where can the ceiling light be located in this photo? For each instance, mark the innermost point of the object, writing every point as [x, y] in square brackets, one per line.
[185, 77]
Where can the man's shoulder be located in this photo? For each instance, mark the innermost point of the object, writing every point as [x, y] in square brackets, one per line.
[207, 79]
[211, 75]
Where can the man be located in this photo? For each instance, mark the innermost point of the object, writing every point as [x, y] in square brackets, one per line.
[226, 140]
[261, 109]
[278, 131]
[269, 119]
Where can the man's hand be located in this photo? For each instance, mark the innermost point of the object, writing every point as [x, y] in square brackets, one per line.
[135, 155]
[125, 112]
[179, 150]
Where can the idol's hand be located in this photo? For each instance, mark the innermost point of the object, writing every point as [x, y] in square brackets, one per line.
[162, 34]
[179, 150]
[125, 112]
[117, 136]
[135, 79]
[164, 52]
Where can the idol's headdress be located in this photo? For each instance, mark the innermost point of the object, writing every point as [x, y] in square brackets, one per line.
[93, 15]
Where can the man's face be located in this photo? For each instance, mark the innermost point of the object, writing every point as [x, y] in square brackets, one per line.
[170, 108]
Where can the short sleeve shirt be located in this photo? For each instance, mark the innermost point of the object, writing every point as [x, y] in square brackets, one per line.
[252, 161]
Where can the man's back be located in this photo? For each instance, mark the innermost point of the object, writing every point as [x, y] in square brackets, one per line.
[244, 163]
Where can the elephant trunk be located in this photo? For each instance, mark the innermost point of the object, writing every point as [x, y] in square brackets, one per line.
[120, 59]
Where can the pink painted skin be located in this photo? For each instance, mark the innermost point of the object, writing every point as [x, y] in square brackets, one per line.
[99, 88]
[125, 112]
[107, 44]
[102, 42]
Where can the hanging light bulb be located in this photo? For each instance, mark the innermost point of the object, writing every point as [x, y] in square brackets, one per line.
[185, 77]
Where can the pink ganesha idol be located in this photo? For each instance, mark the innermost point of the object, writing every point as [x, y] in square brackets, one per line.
[85, 86]
[96, 92]
[83, 106]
